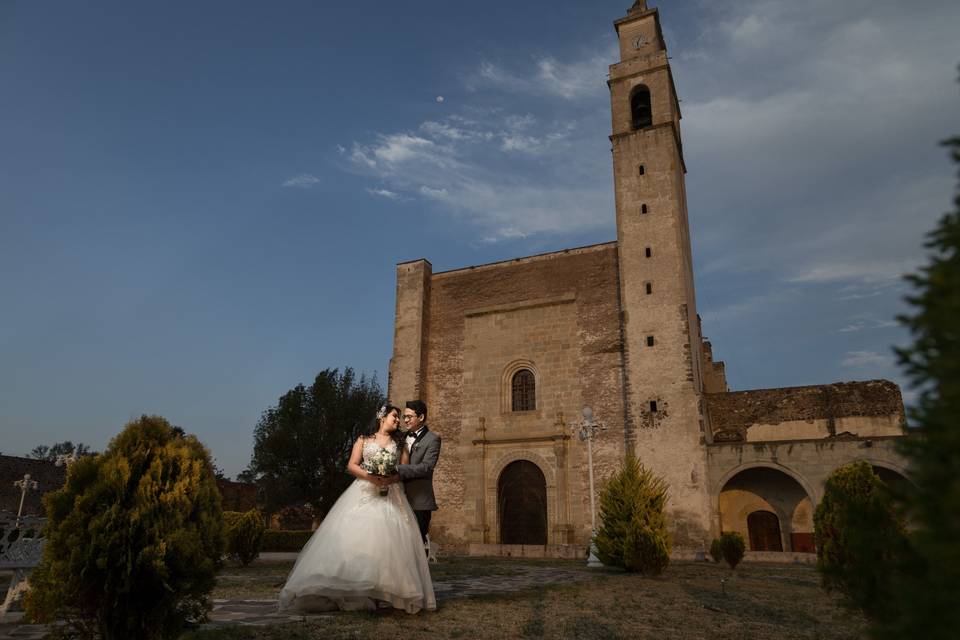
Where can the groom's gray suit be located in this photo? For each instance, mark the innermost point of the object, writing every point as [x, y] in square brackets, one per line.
[418, 477]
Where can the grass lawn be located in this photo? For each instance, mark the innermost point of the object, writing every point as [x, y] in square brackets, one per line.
[688, 601]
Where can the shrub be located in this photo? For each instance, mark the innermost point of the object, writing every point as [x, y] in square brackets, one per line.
[244, 535]
[633, 530]
[275, 540]
[859, 538]
[715, 551]
[731, 547]
[134, 538]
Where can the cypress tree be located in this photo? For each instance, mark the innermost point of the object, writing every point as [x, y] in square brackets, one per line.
[928, 587]
[134, 538]
[633, 531]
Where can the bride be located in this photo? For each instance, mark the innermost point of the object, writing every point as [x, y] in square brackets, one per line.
[367, 552]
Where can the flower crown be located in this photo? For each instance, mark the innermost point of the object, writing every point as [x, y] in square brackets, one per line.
[381, 412]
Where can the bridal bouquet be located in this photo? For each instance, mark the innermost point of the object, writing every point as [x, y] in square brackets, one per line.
[383, 463]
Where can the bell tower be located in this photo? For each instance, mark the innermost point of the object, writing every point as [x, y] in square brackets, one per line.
[664, 422]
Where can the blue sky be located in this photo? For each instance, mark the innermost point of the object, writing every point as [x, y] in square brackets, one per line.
[201, 204]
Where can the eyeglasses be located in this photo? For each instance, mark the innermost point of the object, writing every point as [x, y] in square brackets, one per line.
[409, 417]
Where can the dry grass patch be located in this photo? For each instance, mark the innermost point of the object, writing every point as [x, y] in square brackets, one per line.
[689, 601]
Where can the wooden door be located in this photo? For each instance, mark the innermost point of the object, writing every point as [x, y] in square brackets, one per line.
[522, 504]
[764, 528]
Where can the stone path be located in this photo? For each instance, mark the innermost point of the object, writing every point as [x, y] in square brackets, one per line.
[263, 612]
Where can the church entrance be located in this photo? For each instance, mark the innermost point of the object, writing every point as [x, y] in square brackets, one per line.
[764, 530]
[522, 504]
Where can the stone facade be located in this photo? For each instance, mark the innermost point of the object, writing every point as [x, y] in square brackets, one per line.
[614, 326]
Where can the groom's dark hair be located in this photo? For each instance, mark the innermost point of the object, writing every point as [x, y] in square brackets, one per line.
[419, 407]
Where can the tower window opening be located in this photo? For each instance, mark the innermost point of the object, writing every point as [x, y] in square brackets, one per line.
[649, 286]
[653, 406]
[640, 170]
[643, 208]
[649, 341]
[640, 110]
[648, 252]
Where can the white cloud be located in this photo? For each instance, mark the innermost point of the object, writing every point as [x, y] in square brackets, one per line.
[508, 173]
[576, 80]
[866, 359]
[304, 181]
[384, 193]
[862, 325]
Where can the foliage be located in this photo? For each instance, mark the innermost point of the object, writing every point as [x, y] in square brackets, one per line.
[301, 446]
[858, 537]
[50, 453]
[732, 547]
[715, 551]
[279, 540]
[633, 530]
[134, 538]
[244, 532]
[928, 586]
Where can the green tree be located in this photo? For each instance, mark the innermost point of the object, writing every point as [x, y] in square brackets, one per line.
[731, 546]
[859, 539]
[50, 453]
[302, 445]
[633, 529]
[244, 531]
[928, 587]
[134, 538]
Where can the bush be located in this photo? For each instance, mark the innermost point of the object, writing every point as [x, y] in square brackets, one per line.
[633, 529]
[715, 551]
[275, 540]
[244, 535]
[859, 538]
[134, 538]
[731, 547]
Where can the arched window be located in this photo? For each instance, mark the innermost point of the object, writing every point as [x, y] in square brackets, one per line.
[640, 108]
[524, 391]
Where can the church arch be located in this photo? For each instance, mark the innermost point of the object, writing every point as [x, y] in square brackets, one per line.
[528, 375]
[522, 504]
[773, 489]
[641, 111]
[543, 462]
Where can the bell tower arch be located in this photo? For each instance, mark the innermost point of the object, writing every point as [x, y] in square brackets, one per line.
[665, 424]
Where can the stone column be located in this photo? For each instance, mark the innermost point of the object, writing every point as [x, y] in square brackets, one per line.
[408, 364]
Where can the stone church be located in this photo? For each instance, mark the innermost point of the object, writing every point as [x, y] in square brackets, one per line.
[506, 354]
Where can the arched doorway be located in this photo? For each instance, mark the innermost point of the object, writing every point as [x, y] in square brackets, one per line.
[522, 504]
[764, 530]
[770, 508]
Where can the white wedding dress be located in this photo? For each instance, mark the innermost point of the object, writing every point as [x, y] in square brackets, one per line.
[367, 553]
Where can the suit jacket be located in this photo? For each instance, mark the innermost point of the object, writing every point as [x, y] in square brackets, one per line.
[418, 475]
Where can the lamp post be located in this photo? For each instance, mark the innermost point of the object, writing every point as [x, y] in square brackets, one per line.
[24, 485]
[586, 429]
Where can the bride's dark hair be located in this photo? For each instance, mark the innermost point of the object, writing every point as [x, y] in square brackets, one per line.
[383, 412]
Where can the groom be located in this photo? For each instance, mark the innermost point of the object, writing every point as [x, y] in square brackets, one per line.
[424, 448]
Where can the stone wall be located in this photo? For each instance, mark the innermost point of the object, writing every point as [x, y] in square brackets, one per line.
[237, 496]
[871, 408]
[556, 314]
